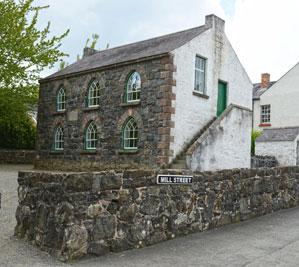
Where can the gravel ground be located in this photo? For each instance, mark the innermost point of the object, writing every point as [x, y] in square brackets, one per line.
[271, 240]
[15, 252]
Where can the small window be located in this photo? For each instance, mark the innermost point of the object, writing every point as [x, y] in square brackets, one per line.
[265, 113]
[61, 99]
[59, 138]
[200, 75]
[93, 97]
[91, 136]
[130, 134]
[133, 87]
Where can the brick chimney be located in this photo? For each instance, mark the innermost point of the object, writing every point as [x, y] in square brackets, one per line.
[265, 80]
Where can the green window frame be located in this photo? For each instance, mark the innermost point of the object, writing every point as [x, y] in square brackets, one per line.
[93, 94]
[61, 99]
[130, 134]
[133, 88]
[91, 136]
[200, 75]
[59, 138]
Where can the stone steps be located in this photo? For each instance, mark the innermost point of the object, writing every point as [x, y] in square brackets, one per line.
[179, 161]
[179, 164]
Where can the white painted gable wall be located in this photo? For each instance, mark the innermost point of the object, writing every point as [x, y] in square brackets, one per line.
[283, 97]
[193, 112]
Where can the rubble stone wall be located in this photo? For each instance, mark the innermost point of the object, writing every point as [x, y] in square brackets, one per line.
[75, 214]
[152, 114]
[263, 161]
[17, 156]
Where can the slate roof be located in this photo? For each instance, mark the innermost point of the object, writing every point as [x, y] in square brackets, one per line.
[151, 47]
[279, 134]
[258, 91]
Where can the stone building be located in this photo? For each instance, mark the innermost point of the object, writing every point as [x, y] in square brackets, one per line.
[276, 112]
[181, 100]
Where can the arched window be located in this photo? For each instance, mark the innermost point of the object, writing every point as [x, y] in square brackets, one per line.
[93, 97]
[59, 138]
[91, 136]
[133, 87]
[61, 99]
[130, 134]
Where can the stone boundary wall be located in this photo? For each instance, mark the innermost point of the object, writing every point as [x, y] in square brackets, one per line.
[17, 156]
[74, 214]
[263, 161]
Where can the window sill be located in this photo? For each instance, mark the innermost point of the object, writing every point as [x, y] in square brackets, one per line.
[90, 108]
[200, 95]
[127, 104]
[264, 124]
[128, 151]
[88, 152]
[59, 112]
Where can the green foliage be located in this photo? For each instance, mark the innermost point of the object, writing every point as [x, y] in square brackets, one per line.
[17, 130]
[18, 136]
[25, 51]
[95, 37]
[63, 64]
[94, 40]
[254, 134]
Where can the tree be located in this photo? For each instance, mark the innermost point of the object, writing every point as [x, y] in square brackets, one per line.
[17, 130]
[24, 52]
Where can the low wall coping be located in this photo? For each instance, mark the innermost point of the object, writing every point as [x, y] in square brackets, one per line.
[108, 180]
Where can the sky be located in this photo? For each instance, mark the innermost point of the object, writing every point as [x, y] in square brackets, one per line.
[264, 33]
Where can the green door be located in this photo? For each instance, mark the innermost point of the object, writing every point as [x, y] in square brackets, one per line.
[222, 95]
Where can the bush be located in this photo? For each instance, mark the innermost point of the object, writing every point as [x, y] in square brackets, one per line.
[20, 135]
[17, 129]
[254, 134]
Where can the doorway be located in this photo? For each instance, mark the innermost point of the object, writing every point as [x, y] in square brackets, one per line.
[222, 97]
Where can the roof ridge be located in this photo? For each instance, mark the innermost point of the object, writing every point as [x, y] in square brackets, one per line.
[124, 53]
[146, 40]
[261, 83]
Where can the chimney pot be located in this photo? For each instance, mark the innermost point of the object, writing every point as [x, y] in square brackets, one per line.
[265, 81]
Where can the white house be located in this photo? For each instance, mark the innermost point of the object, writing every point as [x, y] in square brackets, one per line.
[201, 97]
[276, 112]
[260, 122]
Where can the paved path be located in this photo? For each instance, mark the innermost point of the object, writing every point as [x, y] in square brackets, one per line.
[271, 240]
